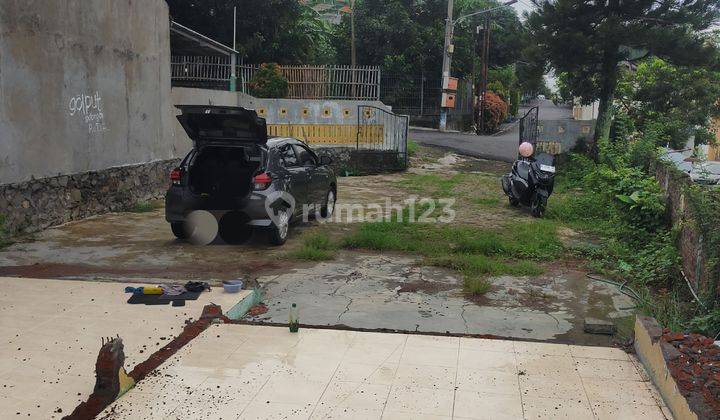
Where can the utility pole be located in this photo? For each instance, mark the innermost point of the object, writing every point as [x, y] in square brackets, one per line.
[484, 75]
[448, 49]
[353, 56]
[447, 58]
[233, 56]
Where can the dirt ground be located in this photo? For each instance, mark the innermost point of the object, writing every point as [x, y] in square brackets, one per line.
[358, 288]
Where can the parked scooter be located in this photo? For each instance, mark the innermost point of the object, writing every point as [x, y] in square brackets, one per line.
[531, 181]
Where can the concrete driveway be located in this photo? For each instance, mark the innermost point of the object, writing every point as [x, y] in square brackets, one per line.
[395, 292]
[358, 288]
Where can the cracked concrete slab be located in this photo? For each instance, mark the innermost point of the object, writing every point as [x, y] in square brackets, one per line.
[396, 292]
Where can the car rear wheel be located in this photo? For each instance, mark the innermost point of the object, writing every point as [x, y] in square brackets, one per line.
[178, 229]
[329, 207]
[279, 229]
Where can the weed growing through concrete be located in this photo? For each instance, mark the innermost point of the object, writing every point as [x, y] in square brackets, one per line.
[144, 207]
[315, 248]
[474, 286]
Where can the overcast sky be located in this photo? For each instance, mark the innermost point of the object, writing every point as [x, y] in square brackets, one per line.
[523, 6]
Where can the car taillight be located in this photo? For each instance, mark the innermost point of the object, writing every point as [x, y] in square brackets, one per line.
[262, 181]
[176, 176]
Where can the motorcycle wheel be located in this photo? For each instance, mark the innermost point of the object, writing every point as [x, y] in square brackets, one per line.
[538, 205]
[514, 201]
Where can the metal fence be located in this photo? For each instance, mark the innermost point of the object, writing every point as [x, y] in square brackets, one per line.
[419, 97]
[333, 82]
[381, 130]
[529, 127]
[304, 82]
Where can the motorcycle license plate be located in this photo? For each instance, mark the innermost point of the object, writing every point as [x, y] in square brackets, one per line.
[547, 168]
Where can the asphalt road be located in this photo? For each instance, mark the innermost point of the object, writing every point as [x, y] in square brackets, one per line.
[501, 146]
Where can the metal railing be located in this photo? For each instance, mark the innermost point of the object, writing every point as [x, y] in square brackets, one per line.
[381, 130]
[529, 127]
[304, 82]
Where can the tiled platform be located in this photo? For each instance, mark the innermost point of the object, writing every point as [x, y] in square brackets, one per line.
[255, 372]
[50, 335]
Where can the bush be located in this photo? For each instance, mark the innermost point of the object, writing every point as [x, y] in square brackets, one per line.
[495, 111]
[642, 153]
[269, 82]
[637, 196]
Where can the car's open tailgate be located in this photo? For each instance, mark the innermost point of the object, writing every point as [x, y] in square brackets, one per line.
[222, 124]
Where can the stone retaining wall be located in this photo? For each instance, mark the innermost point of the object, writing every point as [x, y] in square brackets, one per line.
[37, 204]
[349, 160]
[690, 240]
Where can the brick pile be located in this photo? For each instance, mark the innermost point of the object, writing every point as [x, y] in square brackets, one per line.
[694, 362]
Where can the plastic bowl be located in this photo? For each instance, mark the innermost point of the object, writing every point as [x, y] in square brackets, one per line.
[232, 286]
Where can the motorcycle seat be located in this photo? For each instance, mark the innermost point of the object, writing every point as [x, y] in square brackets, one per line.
[523, 169]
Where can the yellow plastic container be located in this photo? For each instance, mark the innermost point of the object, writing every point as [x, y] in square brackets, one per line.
[152, 290]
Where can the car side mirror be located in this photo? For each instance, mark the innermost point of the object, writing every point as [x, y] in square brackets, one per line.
[325, 160]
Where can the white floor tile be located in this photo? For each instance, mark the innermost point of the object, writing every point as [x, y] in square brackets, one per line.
[478, 405]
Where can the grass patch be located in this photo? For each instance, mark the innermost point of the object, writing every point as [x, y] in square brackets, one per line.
[145, 207]
[315, 248]
[474, 252]
[536, 239]
[433, 185]
[487, 202]
[412, 147]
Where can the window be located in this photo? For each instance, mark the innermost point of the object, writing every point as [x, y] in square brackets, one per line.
[287, 154]
[305, 157]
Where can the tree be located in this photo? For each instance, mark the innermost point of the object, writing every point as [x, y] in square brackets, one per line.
[282, 31]
[414, 30]
[506, 38]
[409, 31]
[678, 101]
[588, 41]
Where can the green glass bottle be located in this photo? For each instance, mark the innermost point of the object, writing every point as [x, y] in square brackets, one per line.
[294, 318]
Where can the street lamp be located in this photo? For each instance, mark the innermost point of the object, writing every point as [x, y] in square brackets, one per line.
[448, 49]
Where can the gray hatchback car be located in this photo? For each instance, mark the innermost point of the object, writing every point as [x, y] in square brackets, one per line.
[248, 180]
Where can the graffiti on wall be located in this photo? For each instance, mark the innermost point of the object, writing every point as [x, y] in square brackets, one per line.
[89, 108]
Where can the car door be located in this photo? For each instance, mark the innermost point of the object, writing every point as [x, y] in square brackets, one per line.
[298, 177]
[315, 190]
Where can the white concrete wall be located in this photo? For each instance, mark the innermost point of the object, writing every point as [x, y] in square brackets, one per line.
[585, 112]
[275, 111]
[84, 85]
